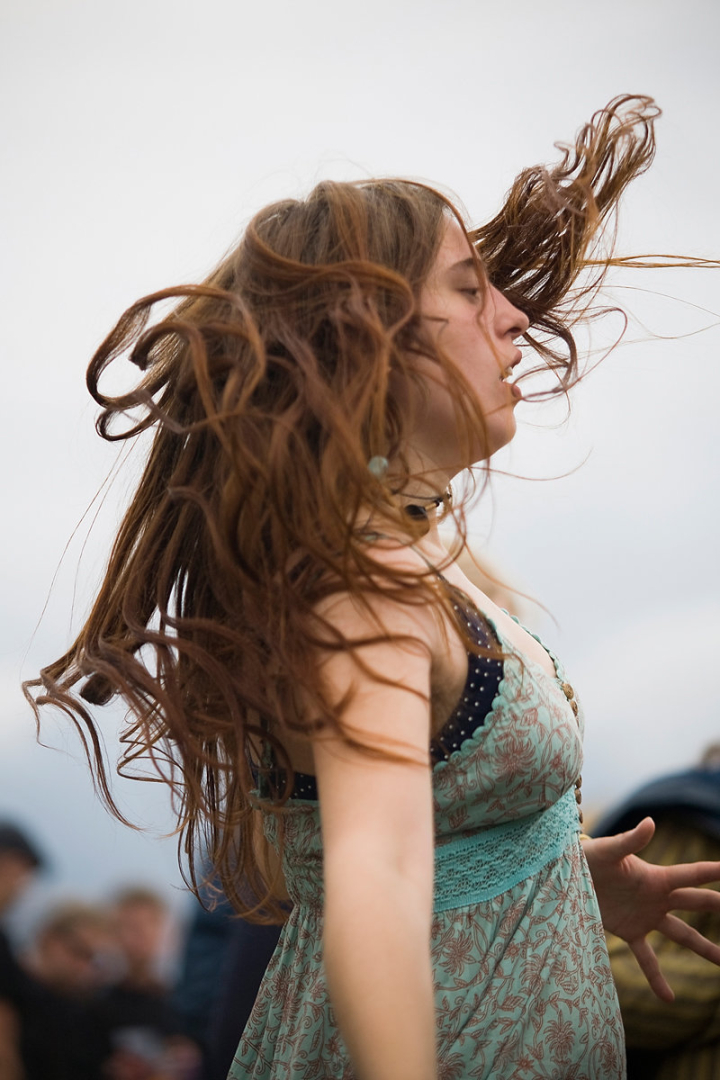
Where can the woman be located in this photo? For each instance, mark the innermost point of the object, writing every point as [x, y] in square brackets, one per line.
[310, 669]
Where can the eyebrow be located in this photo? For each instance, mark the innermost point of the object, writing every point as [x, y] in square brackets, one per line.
[464, 264]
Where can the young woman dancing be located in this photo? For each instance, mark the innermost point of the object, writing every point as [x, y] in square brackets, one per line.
[340, 712]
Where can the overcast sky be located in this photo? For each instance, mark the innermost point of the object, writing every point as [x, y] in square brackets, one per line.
[139, 137]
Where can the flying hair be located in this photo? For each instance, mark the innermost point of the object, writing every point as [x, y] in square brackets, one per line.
[267, 389]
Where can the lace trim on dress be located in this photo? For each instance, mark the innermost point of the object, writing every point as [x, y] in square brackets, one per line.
[480, 867]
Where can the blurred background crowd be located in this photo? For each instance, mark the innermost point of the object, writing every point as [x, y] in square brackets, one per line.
[88, 993]
[120, 990]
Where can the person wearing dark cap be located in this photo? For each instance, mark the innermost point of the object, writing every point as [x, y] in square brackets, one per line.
[19, 859]
[678, 1040]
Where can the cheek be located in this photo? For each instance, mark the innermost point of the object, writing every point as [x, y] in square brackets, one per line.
[481, 369]
[468, 344]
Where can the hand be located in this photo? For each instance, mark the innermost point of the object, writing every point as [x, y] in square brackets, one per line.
[636, 897]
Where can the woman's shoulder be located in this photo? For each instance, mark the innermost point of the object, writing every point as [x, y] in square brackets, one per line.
[395, 586]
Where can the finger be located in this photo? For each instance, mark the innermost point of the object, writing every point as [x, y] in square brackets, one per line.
[694, 900]
[678, 931]
[694, 873]
[627, 843]
[650, 968]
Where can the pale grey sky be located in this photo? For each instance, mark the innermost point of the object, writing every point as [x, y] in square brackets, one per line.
[138, 138]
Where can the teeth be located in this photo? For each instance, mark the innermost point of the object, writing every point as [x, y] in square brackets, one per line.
[506, 373]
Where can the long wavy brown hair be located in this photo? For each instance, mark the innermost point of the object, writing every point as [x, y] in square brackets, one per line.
[269, 388]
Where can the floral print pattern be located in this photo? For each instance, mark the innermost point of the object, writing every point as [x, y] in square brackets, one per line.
[523, 988]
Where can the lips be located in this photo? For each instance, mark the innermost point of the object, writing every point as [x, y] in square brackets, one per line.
[507, 373]
[508, 369]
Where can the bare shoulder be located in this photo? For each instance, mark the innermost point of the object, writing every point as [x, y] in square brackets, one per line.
[381, 649]
[379, 610]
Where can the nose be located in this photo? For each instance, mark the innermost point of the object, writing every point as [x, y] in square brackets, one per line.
[509, 321]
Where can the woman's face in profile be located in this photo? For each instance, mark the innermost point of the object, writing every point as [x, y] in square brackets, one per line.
[476, 327]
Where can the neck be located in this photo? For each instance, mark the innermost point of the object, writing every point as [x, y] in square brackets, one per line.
[427, 509]
[425, 496]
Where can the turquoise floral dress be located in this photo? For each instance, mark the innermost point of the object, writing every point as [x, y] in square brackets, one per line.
[523, 988]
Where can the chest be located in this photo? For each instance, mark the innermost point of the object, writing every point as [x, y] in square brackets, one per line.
[522, 759]
[450, 662]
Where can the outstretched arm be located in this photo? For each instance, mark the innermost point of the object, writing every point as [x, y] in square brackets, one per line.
[636, 897]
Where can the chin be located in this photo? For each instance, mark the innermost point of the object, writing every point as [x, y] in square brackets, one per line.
[498, 439]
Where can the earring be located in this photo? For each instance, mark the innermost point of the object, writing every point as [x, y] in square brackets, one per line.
[378, 466]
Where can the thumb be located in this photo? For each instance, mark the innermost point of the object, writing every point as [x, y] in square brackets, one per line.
[630, 842]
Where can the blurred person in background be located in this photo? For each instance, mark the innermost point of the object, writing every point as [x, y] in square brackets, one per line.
[19, 860]
[138, 1030]
[678, 1040]
[71, 951]
[141, 926]
[45, 1032]
[68, 963]
[223, 962]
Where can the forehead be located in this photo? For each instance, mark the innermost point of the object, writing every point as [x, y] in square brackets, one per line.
[454, 247]
[454, 254]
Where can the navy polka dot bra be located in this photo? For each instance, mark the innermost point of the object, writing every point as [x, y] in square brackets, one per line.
[481, 687]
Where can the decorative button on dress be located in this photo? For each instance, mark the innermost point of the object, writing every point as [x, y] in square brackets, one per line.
[523, 988]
